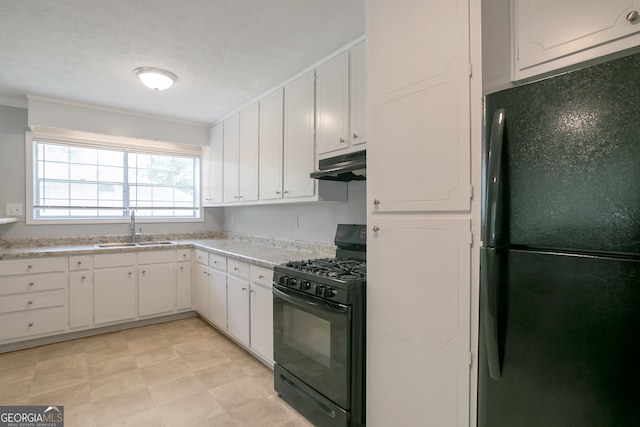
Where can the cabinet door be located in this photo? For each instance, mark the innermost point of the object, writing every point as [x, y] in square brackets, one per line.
[80, 299]
[418, 305]
[183, 285]
[248, 157]
[298, 137]
[218, 298]
[156, 289]
[114, 294]
[553, 34]
[212, 171]
[271, 145]
[201, 289]
[238, 309]
[262, 321]
[231, 158]
[418, 105]
[357, 90]
[332, 104]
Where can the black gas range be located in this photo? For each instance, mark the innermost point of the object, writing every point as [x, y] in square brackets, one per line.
[319, 332]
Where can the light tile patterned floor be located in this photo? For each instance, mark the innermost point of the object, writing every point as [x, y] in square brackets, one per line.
[181, 373]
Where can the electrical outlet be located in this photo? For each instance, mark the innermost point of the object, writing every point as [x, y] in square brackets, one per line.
[296, 221]
[13, 209]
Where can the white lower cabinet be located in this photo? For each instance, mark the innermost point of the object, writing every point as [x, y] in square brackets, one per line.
[183, 284]
[218, 297]
[201, 289]
[238, 301]
[261, 312]
[115, 294]
[156, 282]
[80, 299]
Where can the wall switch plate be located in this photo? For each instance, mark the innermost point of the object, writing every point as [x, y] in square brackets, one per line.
[13, 209]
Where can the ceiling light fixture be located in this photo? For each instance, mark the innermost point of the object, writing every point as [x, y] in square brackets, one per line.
[155, 78]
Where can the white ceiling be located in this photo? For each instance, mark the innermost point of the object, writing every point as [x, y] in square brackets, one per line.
[224, 52]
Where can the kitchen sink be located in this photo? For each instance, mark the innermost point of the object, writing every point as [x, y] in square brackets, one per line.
[115, 245]
[128, 244]
[162, 242]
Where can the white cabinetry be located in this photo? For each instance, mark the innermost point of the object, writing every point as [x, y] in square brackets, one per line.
[551, 35]
[218, 290]
[238, 301]
[340, 103]
[241, 156]
[212, 161]
[261, 312]
[419, 213]
[183, 279]
[201, 284]
[115, 295]
[271, 145]
[80, 291]
[33, 295]
[156, 282]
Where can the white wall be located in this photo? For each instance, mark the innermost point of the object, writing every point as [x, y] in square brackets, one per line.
[316, 222]
[13, 124]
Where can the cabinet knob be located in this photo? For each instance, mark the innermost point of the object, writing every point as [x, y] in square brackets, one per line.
[355, 136]
[30, 302]
[376, 202]
[244, 289]
[286, 191]
[236, 268]
[84, 277]
[341, 140]
[31, 324]
[31, 283]
[375, 228]
[130, 273]
[632, 16]
[29, 267]
[261, 276]
[184, 255]
[144, 271]
[181, 268]
[277, 192]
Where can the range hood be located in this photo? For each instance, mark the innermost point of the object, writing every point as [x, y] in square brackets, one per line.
[346, 167]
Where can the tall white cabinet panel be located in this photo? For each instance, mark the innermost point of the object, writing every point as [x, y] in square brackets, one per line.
[248, 157]
[357, 93]
[418, 104]
[231, 157]
[271, 145]
[299, 105]
[418, 321]
[332, 104]
[212, 170]
[550, 35]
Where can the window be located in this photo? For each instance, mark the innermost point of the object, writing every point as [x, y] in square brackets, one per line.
[89, 182]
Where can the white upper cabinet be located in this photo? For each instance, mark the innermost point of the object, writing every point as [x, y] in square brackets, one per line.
[332, 104]
[248, 173]
[357, 90]
[271, 146]
[231, 158]
[340, 103]
[212, 167]
[299, 137]
[550, 35]
[418, 79]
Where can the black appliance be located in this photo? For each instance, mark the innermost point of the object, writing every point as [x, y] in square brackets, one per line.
[319, 332]
[560, 266]
[345, 167]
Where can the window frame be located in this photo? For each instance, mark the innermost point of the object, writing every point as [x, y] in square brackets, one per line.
[107, 142]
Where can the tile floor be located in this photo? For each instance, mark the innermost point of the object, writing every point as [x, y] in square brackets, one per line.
[181, 373]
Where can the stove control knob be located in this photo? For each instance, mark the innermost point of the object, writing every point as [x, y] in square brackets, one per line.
[330, 292]
[282, 280]
[305, 285]
[292, 282]
[320, 290]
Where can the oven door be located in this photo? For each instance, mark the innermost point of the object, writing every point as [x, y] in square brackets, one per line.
[311, 340]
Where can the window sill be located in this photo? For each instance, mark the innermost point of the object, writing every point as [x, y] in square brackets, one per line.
[8, 220]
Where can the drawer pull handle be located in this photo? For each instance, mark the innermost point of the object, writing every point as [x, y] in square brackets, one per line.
[375, 228]
[236, 269]
[79, 262]
[31, 283]
[261, 276]
[31, 324]
[30, 302]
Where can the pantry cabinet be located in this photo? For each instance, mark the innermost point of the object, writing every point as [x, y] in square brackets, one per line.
[551, 35]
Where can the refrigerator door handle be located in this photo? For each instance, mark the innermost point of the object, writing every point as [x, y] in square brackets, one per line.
[493, 215]
[489, 286]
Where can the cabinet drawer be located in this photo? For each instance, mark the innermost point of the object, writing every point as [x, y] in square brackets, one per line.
[156, 257]
[30, 301]
[80, 262]
[36, 322]
[114, 260]
[202, 257]
[183, 255]
[23, 266]
[238, 268]
[261, 275]
[218, 262]
[32, 282]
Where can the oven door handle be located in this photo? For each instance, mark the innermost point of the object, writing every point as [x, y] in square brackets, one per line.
[310, 302]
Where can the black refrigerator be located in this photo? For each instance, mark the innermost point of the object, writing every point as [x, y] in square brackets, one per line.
[559, 330]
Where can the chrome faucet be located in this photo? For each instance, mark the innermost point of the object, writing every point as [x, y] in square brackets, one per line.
[132, 225]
